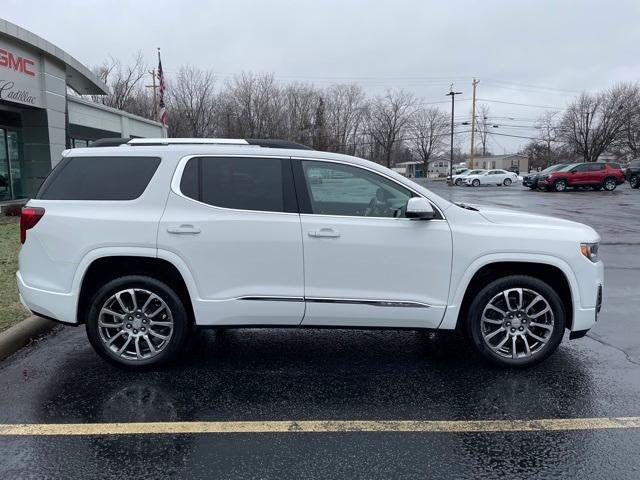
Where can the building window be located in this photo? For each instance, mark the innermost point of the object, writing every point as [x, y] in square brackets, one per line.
[80, 142]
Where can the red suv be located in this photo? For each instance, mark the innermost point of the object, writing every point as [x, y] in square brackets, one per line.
[591, 174]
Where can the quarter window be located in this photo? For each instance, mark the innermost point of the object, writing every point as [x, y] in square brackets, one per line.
[99, 178]
[243, 183]
[336, 189]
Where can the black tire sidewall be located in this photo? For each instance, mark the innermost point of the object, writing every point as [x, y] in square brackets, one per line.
[475, 183]
[473, 325]
[507, 182]
[181, 328]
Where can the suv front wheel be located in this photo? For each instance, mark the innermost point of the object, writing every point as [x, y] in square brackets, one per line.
[137, 321]
[560, 185]
[516, 321]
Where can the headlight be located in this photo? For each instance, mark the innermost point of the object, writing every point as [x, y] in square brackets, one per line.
[590, 250]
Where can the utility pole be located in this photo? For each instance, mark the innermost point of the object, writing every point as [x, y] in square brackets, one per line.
[473, 124]
[452, 94]
[154, 87]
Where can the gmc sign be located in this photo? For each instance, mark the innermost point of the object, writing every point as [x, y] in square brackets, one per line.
[16, 62]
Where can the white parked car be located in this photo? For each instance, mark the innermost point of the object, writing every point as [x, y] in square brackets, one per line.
[145, 241]
[459, 179]
[491, 177]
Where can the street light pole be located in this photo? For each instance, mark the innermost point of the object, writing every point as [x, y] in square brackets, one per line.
[452, 94]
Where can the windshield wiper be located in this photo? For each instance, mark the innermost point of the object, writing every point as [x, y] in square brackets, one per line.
[466, 207]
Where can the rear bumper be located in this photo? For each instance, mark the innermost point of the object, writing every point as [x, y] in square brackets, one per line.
[53, 305]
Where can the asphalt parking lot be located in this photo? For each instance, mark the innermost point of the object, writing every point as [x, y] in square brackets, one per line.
[363, 380]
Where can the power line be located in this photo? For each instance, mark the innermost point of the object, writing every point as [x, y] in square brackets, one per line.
[519, 104]
[540, 87]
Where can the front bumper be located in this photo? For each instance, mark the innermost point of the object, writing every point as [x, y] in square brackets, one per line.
[53, 305]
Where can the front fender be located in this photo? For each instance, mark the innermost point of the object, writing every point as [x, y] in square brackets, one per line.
[450, 318]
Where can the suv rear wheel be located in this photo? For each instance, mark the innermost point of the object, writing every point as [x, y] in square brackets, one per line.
[634, 181]
[560, 185]
[609, 184]
[137, 321]
[516, 321]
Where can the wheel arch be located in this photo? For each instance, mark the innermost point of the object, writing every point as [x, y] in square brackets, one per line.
[557, 276]
[108, 267]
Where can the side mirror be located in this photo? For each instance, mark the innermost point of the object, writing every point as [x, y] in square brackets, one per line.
[420, 209]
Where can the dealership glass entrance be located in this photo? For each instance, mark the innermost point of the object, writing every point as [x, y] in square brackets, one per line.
[11, 185]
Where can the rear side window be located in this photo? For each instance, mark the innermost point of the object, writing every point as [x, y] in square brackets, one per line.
[242, 183]
[99, 178]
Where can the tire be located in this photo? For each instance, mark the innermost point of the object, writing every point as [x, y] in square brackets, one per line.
[476, 183]
[481, 333]
[458, 182]
[507, 182]
[560, 185]
[140, 331]
[634, 181]
[609, 184]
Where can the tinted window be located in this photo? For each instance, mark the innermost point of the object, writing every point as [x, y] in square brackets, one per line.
[635, 163]
[336, 189]
[594, 167]
[99, 178]
[583, 167]
[240, 183]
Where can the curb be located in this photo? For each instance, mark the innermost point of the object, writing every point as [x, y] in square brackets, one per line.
[18, 336]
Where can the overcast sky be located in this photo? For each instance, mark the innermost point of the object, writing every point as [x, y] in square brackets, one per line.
[513, 47]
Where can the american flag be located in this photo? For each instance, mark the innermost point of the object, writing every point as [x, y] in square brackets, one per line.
[162, 114]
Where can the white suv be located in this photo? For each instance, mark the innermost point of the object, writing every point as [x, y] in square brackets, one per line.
[144, 241]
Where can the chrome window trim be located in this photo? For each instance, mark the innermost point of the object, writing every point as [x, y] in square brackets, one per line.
[341, 162]
[177, 178]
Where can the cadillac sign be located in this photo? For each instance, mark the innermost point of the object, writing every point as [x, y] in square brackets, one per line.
[19, 75]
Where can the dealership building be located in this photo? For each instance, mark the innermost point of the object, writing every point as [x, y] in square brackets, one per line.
[44, 110]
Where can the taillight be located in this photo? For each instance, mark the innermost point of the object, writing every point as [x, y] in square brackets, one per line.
[29, 217]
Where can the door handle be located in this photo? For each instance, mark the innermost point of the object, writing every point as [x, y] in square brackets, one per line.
[324, 233]
[184, 230]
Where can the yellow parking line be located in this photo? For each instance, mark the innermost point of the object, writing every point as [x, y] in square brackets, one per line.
[321, 426]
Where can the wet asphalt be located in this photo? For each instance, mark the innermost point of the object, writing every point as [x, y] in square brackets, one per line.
[291, 374]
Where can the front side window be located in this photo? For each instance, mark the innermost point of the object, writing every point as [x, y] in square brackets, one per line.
[336, 189]
[242, 183]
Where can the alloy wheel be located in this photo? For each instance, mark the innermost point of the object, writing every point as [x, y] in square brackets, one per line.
[517, 323]
[135, 324]
[610, 184]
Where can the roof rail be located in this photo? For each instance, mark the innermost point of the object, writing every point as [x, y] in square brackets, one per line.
[265, 143]
[186, 141]
[156, 142]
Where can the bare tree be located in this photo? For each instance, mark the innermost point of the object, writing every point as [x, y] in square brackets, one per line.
[192, 104]
[427, 133]
[548, 129]
[483, 126]
[592, 123]
[125, 85]
[388, 117]
[630, 138]
[345, 109]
